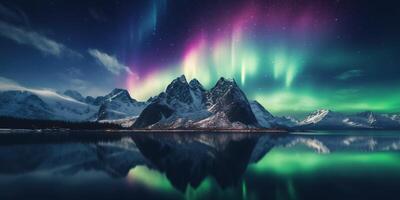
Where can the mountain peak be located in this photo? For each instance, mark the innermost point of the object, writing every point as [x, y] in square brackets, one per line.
[195, 84]
[226, 81]
[179, 81]
[182, 78]
[192, 105]
[117, 90]
[118, 104]
[317, 116]
[179, 89]
[321, 112]
[224, 86]
[74, 94]
[118, 93]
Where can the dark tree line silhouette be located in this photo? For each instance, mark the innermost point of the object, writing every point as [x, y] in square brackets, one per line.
[20, 123]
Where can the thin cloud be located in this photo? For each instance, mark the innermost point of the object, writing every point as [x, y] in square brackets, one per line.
[350, 74]
[109, 62]
[8, 84]
[36, 40]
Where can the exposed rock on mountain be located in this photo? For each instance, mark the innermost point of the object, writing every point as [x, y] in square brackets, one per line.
[189, 105]
[183, 105]
[75, 95]
[118, 105]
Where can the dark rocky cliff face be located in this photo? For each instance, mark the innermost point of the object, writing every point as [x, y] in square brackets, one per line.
[152, 114]
[229, 98]
[190, 101]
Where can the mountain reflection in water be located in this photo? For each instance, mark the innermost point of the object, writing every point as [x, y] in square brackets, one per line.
[345, 165]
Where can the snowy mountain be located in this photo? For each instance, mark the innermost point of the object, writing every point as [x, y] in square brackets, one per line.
[43, 104]
[395, 117]
[267, 120]
[21, 102]
[264, 117]
[118, 104]
[375, 120]
[75, 95]
[115, 107]
[285, 121]
[189, 105]
[227, 97]
[327, 119]
[182, 105]
[324, 118]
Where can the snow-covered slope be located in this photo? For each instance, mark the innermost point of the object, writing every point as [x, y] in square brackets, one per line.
[323, 118]
[227, 97]
[395, 117]
[267, 120]
[75, 95]
[326, 119]
[182, 105]
[375, 120]
[189, 105]
[118, 105]
[23, 102]
[263, 117]
[285, 122]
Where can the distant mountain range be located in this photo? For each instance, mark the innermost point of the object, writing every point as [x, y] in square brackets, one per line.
[183, 105]
[327, 119]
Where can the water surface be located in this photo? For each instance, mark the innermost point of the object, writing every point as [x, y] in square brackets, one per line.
[324, 165]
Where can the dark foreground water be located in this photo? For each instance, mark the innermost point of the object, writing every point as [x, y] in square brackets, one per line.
[329, 165]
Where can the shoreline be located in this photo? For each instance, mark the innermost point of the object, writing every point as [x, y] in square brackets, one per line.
[54, 136]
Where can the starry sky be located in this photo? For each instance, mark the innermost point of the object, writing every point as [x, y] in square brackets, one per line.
[293, 56]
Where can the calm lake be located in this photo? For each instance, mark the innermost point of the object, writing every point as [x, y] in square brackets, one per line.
[323, 165]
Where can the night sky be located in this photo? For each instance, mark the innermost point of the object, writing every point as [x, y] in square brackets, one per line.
[292, 56]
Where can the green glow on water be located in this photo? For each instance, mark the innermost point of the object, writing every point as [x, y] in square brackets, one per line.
[285, 168]
[150, 178]
[197, 193]
[157, 181]
[291, 189]
[244, 190]
[287, 162]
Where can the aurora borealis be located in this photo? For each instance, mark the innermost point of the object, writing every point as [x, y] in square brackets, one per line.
[256, 46]
[291, 56]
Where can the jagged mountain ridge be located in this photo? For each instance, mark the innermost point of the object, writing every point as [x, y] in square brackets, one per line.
[189, 105]
[185, 105]
[68, 106]
[182, 105]
[118, 105]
